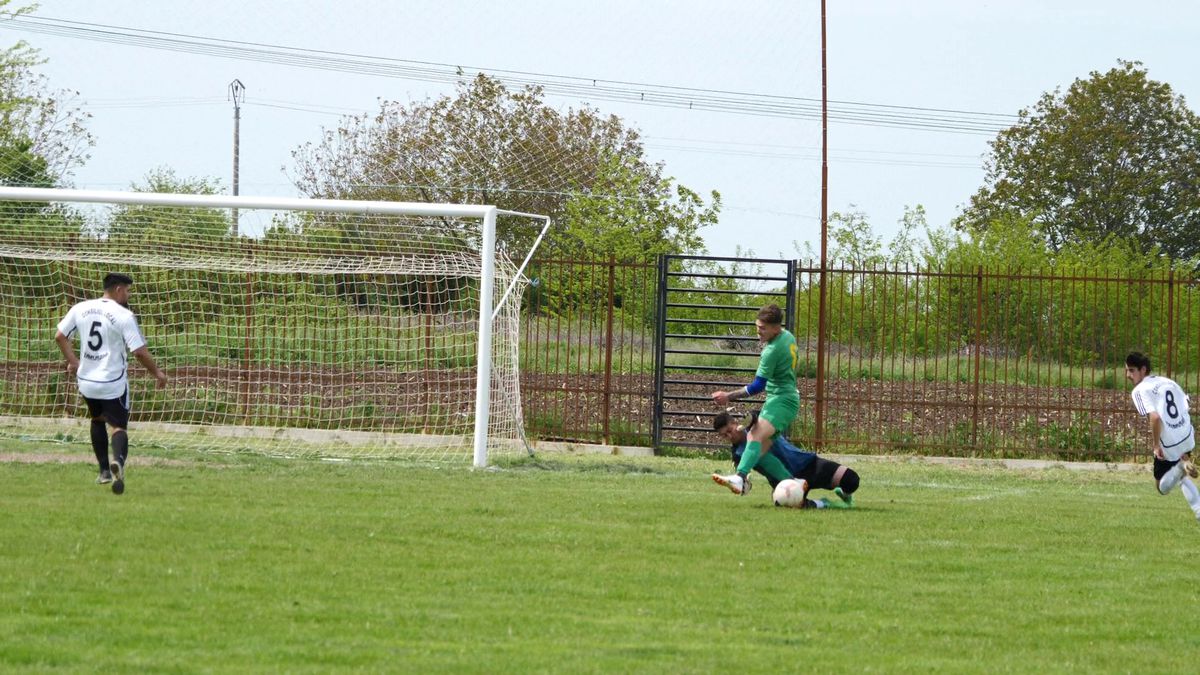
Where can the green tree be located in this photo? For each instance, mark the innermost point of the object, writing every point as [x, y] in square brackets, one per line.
[42, 137]
[906, 246]
[488, 145]
[183, 292]
[20, 167]
[621, 219]
[170, 224]
[853, 243]
[43, 134]
[630, 218]
[1117, 154]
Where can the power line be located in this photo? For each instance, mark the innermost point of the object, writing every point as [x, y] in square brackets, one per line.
[176, 102]
[692, 145]
[779, 146]
[303, 107]
[153, 102]
[836, 159]
[710, 100]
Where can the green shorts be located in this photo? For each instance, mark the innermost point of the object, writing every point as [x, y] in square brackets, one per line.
[780, 412]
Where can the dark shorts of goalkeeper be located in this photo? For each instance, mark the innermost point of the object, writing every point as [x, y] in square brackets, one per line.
[115, 411]
[819, 473]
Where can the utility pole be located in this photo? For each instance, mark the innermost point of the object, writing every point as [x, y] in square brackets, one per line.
[822, 308]
[237, 93]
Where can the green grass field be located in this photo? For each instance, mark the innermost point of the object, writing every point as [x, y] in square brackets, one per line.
[567, 564]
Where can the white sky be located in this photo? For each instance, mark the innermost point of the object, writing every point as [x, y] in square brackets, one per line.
[156, 108]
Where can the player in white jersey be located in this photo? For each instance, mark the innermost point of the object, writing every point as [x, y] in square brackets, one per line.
[1164, 402]
[107, 332]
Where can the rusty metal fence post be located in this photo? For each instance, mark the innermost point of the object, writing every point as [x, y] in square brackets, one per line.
[822, 344]
[1170, 323]
[608, 348]
[978, 355]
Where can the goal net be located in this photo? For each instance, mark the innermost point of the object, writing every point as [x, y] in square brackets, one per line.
[339, 329]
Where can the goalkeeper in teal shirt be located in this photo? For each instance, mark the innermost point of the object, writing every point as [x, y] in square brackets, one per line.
[777, 375]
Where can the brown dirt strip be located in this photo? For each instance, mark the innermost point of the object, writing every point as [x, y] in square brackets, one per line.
[83, 458]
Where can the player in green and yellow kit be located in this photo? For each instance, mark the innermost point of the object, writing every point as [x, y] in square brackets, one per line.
[777, 374]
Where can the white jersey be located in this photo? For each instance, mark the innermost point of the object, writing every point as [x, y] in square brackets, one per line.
[107, 333]
[1163, 396]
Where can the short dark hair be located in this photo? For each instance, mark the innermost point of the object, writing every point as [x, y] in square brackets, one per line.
[113, 279]
[720, 421]
[1138, 360]
[770, 314]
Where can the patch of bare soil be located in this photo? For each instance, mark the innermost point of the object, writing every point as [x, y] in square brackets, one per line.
[83, 458]
[954, 417]
[950, 417]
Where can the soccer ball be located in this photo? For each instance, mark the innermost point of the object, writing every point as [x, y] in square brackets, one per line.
[791, 493]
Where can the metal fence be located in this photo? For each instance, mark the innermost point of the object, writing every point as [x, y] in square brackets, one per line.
[961, 363]
[989, 363]
[587, 351]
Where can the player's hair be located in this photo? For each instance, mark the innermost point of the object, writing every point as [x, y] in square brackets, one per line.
[112, 280]
[720, 421]
[770, 314]
[1138, 360]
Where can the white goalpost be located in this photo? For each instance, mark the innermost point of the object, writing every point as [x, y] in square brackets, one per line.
[340, 329]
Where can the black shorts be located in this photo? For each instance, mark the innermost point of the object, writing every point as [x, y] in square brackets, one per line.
[1162, 466]
[819, 473]
[115, 411]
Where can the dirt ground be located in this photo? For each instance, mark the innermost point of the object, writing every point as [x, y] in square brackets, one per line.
[955, 418]
[81, 457]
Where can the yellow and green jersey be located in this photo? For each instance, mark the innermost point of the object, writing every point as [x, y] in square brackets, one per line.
[777, 365]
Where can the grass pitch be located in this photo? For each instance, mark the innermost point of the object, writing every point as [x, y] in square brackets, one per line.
[565, 564]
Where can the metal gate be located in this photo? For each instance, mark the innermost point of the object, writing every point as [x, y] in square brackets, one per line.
[706, 339]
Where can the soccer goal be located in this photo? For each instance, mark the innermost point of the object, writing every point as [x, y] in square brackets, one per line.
[334, 328]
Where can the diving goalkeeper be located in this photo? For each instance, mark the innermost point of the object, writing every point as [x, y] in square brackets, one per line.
[819, 472]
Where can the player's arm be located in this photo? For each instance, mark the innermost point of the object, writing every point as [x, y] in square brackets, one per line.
[142, 354]
[724, 397]
[137, 344]
[1156, 427]
[68, 352]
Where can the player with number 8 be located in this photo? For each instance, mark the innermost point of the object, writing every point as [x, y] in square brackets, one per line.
[1172, 437]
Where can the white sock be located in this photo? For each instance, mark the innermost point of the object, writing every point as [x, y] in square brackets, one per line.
[1191, 494]
[819, 503]
[1172, 478]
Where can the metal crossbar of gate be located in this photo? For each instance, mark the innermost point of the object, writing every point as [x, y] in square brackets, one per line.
[706, 339]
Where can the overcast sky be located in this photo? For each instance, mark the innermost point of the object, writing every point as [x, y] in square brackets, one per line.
[155, 107]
